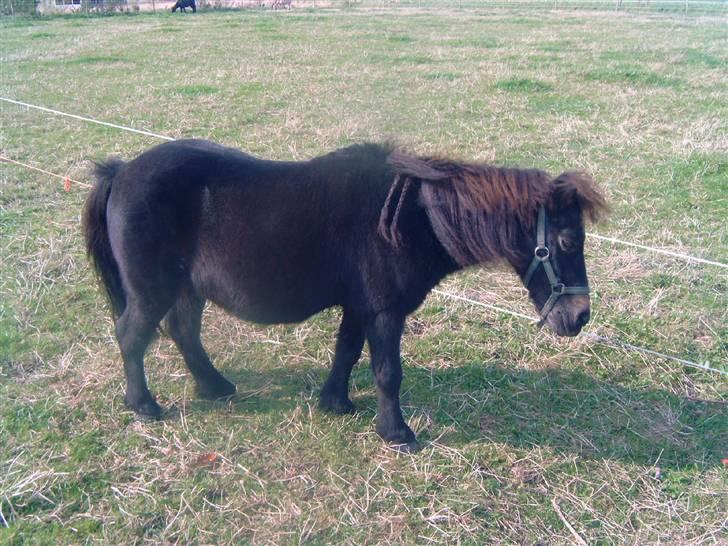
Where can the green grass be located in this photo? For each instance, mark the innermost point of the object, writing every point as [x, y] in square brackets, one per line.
[444, 76]
[512, 420]
[558, 46]
[97, 59]
[523, 85]
[196, 90]
[631, 75]
[401, 39]
[693, 56]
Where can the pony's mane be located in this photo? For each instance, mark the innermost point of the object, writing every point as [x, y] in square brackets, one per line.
[478, 212]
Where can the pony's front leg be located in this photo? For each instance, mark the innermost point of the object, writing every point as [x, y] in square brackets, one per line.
[335, 393]
[384, 334]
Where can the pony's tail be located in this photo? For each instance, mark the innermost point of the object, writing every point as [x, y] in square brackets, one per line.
[96, 233]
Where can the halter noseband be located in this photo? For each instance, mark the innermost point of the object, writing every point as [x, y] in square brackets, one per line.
[542, 256]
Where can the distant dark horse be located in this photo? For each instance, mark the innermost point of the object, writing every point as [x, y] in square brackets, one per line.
[367, 228]
[183, 4]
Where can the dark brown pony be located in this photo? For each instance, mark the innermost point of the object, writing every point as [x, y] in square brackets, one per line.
[367, 228]
[183, 4]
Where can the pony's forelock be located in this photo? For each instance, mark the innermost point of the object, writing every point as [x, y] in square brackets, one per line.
[580, 187]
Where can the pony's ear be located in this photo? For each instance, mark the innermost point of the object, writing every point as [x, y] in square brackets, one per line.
[575, 188]
[408, 166]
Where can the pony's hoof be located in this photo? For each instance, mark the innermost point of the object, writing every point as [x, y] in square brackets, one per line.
[401, 435]
[406, 449]
[221, 388]
[338, 406]
[146, 409]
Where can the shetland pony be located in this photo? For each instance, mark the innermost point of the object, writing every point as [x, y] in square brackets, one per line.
[368, 228]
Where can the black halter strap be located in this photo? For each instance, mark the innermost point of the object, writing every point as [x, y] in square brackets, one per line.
[542, 256]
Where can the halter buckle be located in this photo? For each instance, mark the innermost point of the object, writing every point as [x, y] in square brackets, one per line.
[558, 288]
[541, 253]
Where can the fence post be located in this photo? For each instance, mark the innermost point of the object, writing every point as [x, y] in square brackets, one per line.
[686, 6]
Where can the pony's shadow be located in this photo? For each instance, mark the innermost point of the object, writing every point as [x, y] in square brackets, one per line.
[569, 411]
[573, 412]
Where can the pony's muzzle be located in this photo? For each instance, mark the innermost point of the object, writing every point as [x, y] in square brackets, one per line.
[570, 314]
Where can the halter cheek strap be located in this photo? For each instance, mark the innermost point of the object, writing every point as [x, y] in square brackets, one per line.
[542, 256]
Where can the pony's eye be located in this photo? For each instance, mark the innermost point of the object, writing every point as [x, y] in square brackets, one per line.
[567, 244]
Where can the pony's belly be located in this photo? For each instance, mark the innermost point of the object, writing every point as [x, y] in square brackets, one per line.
[267, 314]
[269, 283]
[266, 306]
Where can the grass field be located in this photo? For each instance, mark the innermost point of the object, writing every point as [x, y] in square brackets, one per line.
[522, 432]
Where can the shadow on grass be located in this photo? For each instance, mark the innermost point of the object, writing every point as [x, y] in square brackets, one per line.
[570, 411]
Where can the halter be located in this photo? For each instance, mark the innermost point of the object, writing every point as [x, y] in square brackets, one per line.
[542, 256]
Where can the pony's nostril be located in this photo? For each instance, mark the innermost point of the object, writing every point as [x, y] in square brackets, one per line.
[583, 317]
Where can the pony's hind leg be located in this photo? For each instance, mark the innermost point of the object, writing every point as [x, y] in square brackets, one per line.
[135, 328]
[183, 323]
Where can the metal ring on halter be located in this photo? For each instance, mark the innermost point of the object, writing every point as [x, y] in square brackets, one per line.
[542, 253]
